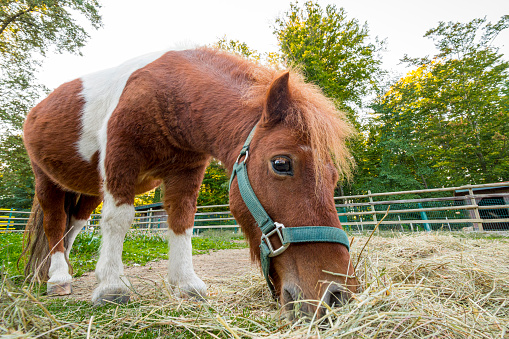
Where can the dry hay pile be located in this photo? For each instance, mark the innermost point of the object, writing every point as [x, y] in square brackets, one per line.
[413, 286]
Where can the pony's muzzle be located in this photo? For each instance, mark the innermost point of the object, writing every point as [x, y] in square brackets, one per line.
[296, 304]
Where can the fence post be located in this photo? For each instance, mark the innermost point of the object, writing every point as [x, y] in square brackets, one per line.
[424, 216]
[477, 225]
[374, 214]
[9, 220]
[150, 218]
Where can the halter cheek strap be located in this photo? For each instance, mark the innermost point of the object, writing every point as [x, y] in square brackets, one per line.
[287, 235]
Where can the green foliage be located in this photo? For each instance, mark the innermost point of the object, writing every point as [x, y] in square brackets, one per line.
[28, 30]
[271, 59]
[214, 188]
[447, 122]
[237, 47]
[332, 50]
[16, 179]
[150, 197]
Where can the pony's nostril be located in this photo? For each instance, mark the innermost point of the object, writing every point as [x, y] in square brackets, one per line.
[338, 299]
[288, 295]
[337, 296]
[289, 298]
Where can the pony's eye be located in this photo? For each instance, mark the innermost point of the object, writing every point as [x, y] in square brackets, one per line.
[282, 165]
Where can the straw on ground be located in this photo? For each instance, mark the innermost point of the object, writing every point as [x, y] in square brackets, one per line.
[412, 286]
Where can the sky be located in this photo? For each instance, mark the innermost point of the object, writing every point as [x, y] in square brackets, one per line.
[133, 28]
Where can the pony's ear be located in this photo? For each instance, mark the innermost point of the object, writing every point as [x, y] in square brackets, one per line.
[278, 100]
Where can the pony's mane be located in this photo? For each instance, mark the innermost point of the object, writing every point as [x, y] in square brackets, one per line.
[313, 114]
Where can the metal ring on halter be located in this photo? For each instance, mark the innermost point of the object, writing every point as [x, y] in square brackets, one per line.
[238, 158]
[265, 237]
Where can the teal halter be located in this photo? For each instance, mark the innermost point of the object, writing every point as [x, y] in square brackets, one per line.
[268, 227]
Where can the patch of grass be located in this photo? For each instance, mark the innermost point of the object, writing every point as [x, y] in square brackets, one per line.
[10, 250]
[225, 234]
[205, 245]
[139, 248]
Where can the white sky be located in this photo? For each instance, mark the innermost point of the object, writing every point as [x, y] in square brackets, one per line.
[133, 27]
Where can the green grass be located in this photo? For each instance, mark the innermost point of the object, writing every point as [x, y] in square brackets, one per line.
[139, 248]
[10, 250]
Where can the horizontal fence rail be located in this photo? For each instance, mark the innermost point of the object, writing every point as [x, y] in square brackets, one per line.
[470, 209]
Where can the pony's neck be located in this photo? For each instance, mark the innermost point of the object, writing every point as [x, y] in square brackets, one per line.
[215, 95]
[226, 142]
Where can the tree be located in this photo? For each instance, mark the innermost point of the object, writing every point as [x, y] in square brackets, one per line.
[271, 59]
[332, 51]
[448, 121]
[238, 47]
[214, 188]
[29, 29]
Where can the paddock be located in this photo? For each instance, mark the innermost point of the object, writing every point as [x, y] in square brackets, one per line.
[427, 284]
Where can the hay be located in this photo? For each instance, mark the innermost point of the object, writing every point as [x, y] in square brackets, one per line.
[413, 286]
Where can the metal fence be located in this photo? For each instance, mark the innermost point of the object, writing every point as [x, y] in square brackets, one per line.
[432, 209]
[449, 209]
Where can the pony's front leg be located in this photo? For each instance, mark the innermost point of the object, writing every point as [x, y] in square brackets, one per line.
[116, 221]
[181, 275]
[180, 202]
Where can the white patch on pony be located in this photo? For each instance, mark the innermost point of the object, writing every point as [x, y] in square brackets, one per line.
[115, 222]
[180, 268]
[102, 91]
[77, 226]
[59, 270]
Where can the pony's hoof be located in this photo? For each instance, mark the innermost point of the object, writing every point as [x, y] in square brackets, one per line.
[197, 291]
[56, 289]
[193, 294]
[111, 296]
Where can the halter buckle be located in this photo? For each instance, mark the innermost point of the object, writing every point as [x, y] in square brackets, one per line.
[265, 237]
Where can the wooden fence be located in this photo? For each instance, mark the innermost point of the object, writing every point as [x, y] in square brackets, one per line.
[449, 209]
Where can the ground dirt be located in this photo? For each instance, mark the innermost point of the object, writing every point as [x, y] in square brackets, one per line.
[212, 268]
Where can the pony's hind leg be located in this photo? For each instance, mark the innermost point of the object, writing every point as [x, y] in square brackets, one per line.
[180, 197]
[52, 200]
[79, 217]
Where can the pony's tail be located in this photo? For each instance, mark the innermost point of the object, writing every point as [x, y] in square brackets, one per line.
[36, 251]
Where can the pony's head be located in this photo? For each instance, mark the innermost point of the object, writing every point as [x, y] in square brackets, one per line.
[296, 157]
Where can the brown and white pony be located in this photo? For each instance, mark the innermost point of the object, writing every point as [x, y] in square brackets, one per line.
[160, 118]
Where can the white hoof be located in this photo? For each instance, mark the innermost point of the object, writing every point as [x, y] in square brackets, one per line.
[59, 288]
[194, 288]
[105, 294]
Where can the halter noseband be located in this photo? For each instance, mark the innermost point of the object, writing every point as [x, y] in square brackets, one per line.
[268, 227]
